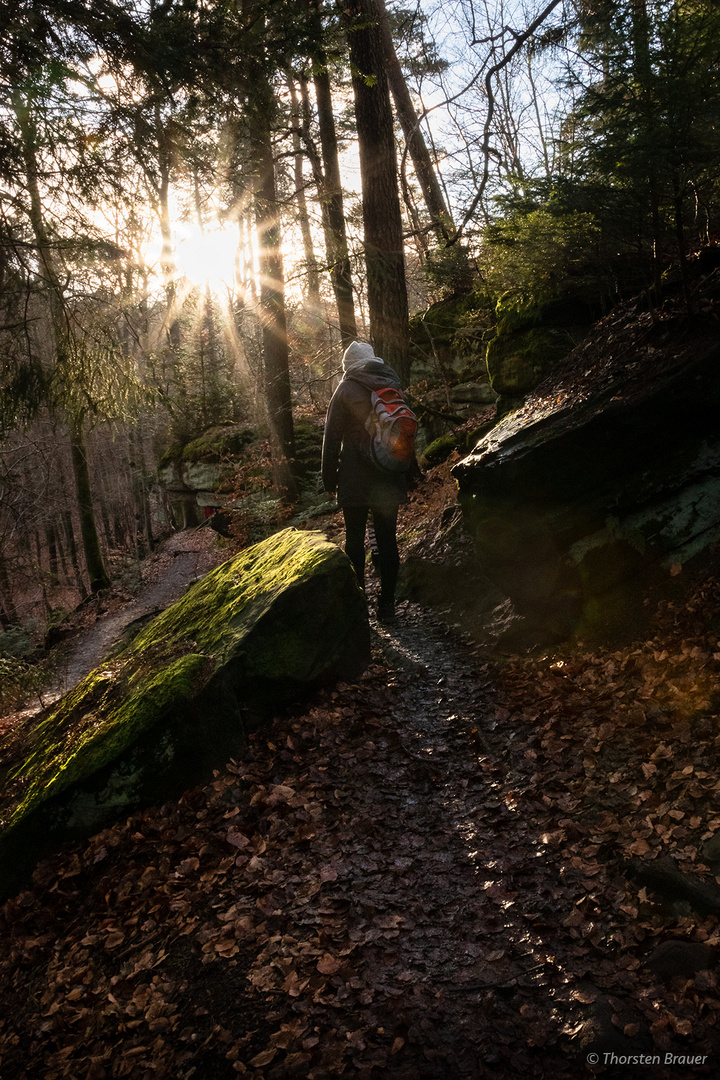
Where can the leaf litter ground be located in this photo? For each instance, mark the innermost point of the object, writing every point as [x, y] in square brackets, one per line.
[420, 875]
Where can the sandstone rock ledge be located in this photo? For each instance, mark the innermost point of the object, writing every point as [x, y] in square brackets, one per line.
[262, 629]
[604, 482]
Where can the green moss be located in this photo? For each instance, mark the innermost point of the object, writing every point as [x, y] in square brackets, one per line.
[518, 362]
[514, 313]
[69, 751]
[215, 444]
[450, 335]
[440, 449]
[446, 315]
[464, 441]
[218, 443]
[530, 340]
[167, 664]
[219, 609]
[172, 456]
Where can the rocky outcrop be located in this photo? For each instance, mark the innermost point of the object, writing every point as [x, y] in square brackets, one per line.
[450, 417]
[192, 486]
[608, 477]
[194, 475]
[528, 342]
[462, 397]
[261, 629]
[447, 340]
[224, 476]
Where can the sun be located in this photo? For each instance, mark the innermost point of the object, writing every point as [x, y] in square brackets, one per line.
[207, 256]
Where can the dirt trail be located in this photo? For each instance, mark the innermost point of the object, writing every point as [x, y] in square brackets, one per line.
[377, 887]
[349, 930]
[166, 574]
[428, 892]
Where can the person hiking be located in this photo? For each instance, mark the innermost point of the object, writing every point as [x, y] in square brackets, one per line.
[368, 421]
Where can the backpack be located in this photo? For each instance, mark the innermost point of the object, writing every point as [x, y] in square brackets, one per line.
[391, 425]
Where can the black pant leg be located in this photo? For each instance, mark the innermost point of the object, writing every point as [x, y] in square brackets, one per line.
[355, 521]
[385, 521]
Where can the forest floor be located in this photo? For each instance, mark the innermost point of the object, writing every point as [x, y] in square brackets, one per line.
[166, 574]
[438, 871]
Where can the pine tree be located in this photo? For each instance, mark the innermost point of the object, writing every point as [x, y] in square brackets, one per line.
[382, 218]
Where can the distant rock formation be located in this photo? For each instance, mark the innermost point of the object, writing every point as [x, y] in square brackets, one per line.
[261, 629]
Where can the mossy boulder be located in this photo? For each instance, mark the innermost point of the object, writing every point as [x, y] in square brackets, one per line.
[262, 629]
[215, 444]
[530, 340]
[194, 474]
[447, 340]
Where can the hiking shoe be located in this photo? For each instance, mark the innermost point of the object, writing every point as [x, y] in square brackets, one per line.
[386, 611]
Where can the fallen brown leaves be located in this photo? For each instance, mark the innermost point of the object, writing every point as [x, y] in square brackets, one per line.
[625, 352]
[619, 762]
[420, 876]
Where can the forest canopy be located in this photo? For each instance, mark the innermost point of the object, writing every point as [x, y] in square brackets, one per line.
[203, 201]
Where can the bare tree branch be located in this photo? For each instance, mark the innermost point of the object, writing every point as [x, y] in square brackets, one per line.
[520, 40]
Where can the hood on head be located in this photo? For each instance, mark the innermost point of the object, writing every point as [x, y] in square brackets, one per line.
[357, 353]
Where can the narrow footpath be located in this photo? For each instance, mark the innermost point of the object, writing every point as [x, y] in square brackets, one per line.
[167, 573]
[378, 887]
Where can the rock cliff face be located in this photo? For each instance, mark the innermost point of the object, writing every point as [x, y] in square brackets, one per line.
[192, 474]
[528, 342]
[261, 629]
[607, 477]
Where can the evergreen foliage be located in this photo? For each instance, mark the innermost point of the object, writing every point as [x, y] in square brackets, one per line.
[648, 125]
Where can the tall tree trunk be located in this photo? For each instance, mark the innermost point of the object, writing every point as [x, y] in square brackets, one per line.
[60, 331]
[143, 517]
[329, 185]
[682, 245]
[340, 271]
[419, 233]
[331, 199]
[437, 209]
[382, 219]
[167, 257]
[62, 555]
[37, 571]
[311, 267]
[6, 593]
[272, 306]
[642, 64]
[208, 350]
[656, 226]
[52, 547]
[72, 549]
[88, 529]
